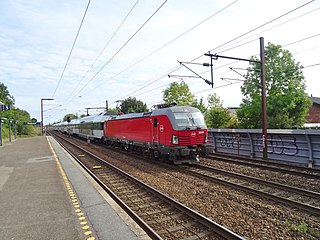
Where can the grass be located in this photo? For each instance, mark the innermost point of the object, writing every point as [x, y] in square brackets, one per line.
[302, 227]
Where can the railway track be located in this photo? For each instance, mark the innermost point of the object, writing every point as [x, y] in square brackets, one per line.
[295, 197]
[269, 165]
[159, 215]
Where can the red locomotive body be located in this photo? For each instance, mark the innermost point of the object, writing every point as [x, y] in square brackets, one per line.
[177, 133]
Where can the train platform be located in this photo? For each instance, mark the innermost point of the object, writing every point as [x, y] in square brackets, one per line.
[44, 194]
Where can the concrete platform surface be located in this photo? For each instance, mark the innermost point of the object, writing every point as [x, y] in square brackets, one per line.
[45, 195]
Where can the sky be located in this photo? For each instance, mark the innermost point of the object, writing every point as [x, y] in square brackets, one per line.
[128, 48]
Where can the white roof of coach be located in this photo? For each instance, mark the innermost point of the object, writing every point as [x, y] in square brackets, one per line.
[101, 117]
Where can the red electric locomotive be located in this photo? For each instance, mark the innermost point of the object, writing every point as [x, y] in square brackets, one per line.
[177, 133]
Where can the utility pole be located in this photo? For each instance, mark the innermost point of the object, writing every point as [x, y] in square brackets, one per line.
[42, 99]
[264, 101]
[95, 108]
[263, 90]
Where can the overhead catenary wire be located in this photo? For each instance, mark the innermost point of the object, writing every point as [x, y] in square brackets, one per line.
[173, 40]
[74, 42]
[123, 45]
[285, 45]
[218, 67]
[224, 65]
[104, 48]
[312, 65]
[90, 80]
[306, 50]
[159, 78]
[237, 81]
[217, 87]
[180, 79]
[238, 37]
[301, 40]
[264, 24]
[120, 25]
[201, 55]
[259, 33]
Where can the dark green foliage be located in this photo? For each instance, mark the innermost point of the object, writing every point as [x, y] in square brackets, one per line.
[217, 116]
[200, 105]
[17, 114]
[70, 116]
[287, 101]
[112, 110]
[132, 105]
[178, 93]
[21, 116]
[5, 97]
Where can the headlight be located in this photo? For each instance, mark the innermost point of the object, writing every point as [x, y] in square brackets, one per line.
[175, 139]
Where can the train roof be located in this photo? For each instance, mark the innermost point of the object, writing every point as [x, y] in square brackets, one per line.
[157, 112]
[175, 109]
[101, 117]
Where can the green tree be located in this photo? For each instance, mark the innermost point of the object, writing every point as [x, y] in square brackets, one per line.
[21, 116]
[112, 110]
[178, 93]
[70, 115]
[132, 105]
[5, 95]
[200, 105]
[287, 100]
[217, 116]
[15, 115]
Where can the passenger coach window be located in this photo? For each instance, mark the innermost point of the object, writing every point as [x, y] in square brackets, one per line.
[155, 122]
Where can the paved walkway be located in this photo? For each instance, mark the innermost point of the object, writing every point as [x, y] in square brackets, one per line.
[44, 195]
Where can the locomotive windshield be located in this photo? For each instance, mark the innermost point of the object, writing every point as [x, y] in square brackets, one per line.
[189, 119]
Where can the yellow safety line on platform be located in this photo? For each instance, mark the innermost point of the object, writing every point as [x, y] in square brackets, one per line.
[73, 197]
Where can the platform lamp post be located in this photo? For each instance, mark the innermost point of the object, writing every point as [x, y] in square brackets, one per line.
[43, 99]
[10, 121]
[1, 118]
[15, 129]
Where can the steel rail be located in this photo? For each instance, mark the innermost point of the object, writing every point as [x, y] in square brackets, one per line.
[211, 225]
[150, 232]
[282, 167]
[301, 191]
[309, 208]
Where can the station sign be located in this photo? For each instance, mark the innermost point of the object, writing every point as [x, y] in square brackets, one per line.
[32, 123]
[4, 107]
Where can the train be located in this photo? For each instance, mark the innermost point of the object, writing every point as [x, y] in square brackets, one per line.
[174, 133]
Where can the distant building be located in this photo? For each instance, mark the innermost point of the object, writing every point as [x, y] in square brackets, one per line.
[313, 118]
[233, 110]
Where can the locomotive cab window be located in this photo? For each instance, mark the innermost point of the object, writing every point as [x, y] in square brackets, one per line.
[155, 122]
[187, 119]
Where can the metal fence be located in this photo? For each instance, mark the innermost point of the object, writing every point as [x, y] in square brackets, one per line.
[297, 146]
